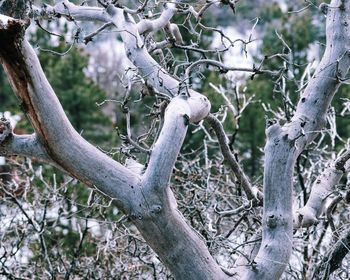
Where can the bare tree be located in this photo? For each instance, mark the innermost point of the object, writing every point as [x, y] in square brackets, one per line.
[143, 193]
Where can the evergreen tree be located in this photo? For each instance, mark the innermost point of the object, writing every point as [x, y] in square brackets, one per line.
[8, 100]
[297, 33]
[76, 91]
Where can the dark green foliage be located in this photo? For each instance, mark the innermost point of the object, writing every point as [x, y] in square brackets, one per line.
[77, 92]
[8, 101]
[298, 33]
[14, 8]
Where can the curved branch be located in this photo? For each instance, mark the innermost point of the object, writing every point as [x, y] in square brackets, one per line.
[284, 144]
[55, 133]
[137, 53]
[163, 227]
[150, 202]
[146, 25]
[155, 75]
[180, 111]
[323, 186]
[71, 12]
[256, 196]
[25, 145]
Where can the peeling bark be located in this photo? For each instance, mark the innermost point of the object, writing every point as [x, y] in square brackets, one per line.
[147, 200]
[54, 132]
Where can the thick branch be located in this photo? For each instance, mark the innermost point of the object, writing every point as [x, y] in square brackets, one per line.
[72, 12]
[168, 145]
[55, 133]
[323, 186]
[180, 111]
[165, 230]
[147, 25]
[284, 144]
[25, 145]
[153, 208]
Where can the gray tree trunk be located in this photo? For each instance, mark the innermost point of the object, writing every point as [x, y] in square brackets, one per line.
[146, 198]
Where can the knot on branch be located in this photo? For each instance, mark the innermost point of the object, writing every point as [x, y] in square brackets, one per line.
[270, 122]
[271, 221]
[199, 106]
[5, 129]
[339, 166]
[135, 216]
[273, 128]
[323, 8]
[186, 119]
[275, 219]
[156, 209]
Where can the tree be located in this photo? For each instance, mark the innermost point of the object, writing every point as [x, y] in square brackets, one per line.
[142, 191]
[78, 94]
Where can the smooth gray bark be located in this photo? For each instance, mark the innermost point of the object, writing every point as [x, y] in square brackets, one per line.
[285, 143]
[323, 186]
[147, 198]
